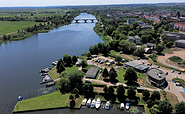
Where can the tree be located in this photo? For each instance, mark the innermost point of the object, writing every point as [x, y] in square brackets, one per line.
[154, 109]
[67, 60]
[110, 30]
[74, 59]
[111, 90]
[76, 91]
[120, 90]
[146, 94]
[88, 55]
[112, 74]
[139, 51]
[155, 95]
[149, 103]
[63, 85]
[159, 49]
[169, 44]
[160, 30]
[164, 36]
[105, 73]
[118, 59]
[71, 97]
[106, 89]
[165, 107]
[131, 93]
[130, 75]
[144, 39]
[131, 33]
[75, 78]
[105, 49]
[179, 108]
[83, 63]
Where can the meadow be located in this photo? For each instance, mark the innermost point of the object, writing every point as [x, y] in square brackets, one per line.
[8, 27]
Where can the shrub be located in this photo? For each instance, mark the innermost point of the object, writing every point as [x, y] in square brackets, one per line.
[154, 57]
[175, 59]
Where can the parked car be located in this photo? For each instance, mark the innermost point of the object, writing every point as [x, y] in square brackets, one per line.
[123, 60]
[121, 52]
[93, 56]
[178, 84]
[106, 60]
[138, 58]
[108, 64]
[172, 71]
[158, 66]
[179, 72]
[112, 62]
[143, 62]
[101, 62]
[166, 73]
[96, 60]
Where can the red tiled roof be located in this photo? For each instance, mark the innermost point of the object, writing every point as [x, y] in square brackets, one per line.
[180, 24]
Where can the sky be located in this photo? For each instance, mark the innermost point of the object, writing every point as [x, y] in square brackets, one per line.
[16, 3]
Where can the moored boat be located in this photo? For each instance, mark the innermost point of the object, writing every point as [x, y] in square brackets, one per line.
[122, 106]
[89, 102]
[127, 106]
[98, 103]
[93, 103]
[84, 101]
[107, 106]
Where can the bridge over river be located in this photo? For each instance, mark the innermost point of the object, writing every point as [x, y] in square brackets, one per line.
[85, 20]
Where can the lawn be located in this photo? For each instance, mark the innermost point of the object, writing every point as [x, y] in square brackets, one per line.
[55, 75]
[11, 26]
[175, 59]
[52, 100]
[142, 76]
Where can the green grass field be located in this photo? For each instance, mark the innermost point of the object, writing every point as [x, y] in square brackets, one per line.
[52, 100]
[9, 26]
[55, 75]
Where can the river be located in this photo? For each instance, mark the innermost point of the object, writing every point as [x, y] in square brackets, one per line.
[20, 61]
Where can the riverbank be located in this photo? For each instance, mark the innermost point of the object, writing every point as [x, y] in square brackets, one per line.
[54, 100]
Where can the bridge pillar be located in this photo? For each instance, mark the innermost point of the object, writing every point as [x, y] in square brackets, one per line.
[76, 21]
[85, 21]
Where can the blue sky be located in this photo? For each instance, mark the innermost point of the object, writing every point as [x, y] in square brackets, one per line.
[10, 3]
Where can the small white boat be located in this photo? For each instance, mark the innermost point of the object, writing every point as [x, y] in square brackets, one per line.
[89, 102]
[127, 106]
[98, 103]
[122, 106]
[84, 101]
[107, 106]
[93, 103]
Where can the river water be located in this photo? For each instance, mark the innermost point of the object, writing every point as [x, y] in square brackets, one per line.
[20, 61]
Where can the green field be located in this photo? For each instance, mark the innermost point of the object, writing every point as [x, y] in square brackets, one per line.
[9, 26]
[52, 100]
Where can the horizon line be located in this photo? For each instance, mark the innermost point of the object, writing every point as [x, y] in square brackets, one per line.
[68, 5]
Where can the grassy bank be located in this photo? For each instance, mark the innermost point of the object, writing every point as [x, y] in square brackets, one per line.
[53, 100]
[11, 26]
[55, 75]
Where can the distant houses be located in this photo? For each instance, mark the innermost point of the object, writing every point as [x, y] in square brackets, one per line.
[179, 25]
[134, 39]
[180, 43]
[130, 21]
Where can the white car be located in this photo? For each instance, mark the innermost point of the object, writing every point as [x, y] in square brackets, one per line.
[172, 71]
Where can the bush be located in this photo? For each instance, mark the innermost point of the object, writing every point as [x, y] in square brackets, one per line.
[175, 59]
[99, 85]
[154, 57]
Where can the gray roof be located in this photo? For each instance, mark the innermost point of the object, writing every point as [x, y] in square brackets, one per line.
[154, 73]
[132, 64]
[181, 41]
[92, 72]
[142, 67]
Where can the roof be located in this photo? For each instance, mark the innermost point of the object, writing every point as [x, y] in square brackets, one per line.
[132, 64]
[141, 67]
[180, 24]
[156, 74]
[181, 41]
[92, 72]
